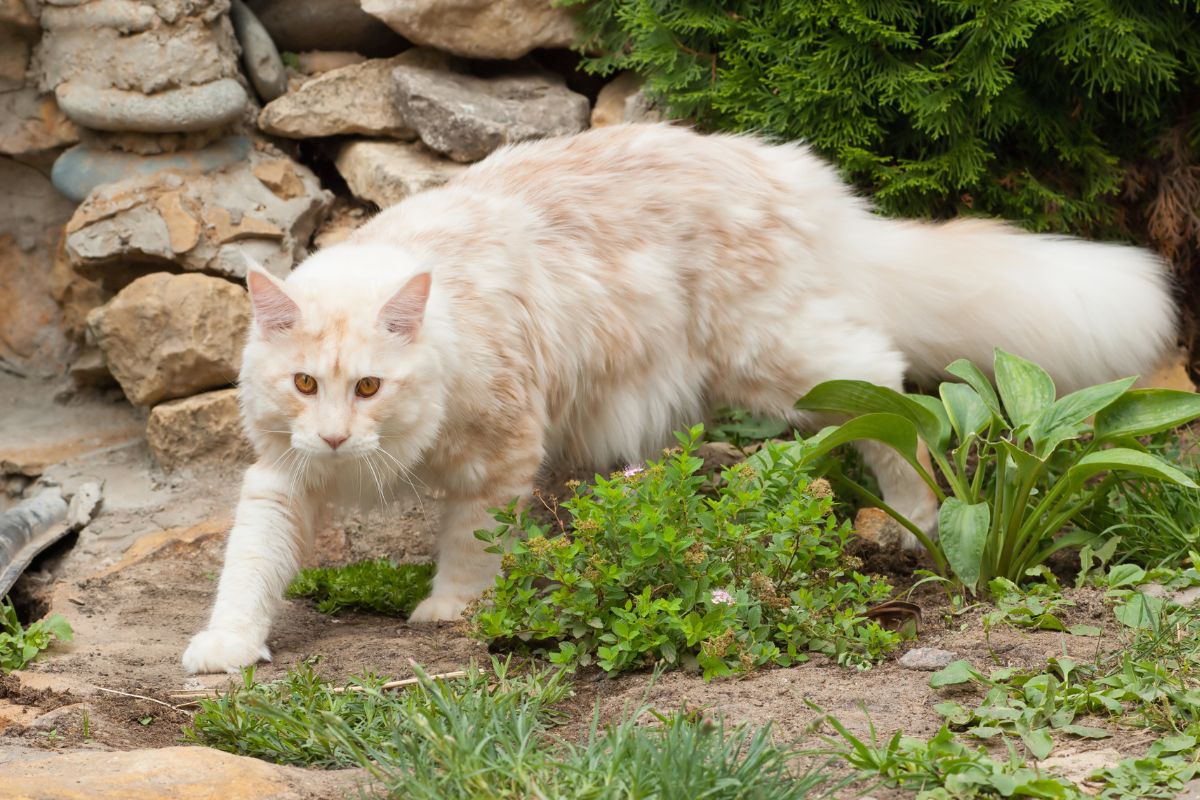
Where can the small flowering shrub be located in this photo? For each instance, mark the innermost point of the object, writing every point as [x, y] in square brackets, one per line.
[655, 567]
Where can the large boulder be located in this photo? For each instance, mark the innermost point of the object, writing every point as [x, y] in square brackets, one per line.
[387, 172]
[204, 427]
[358, 98]
[467, 117]
[166, 336]
[264, 208]
[478, 28]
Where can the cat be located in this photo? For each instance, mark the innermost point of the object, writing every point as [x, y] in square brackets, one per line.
[580, 298]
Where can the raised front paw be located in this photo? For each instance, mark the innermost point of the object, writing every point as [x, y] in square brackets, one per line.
[223, 651]
[439, 607]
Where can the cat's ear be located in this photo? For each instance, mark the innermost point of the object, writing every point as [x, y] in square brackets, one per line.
[402, 314]
[273, 309]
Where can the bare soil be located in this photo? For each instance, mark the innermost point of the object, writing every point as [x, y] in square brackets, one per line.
[139, 581]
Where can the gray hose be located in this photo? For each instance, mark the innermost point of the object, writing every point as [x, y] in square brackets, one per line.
[28, 528]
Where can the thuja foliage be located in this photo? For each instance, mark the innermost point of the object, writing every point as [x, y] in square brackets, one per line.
[1020, 109]
[657, 566]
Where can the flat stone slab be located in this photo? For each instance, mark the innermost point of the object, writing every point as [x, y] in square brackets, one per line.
[192, 108]
[82, 168]
[169, 773]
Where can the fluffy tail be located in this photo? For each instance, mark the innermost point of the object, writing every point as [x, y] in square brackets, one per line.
[1086, 312]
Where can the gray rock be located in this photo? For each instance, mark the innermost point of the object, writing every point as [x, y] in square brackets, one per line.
[81, 169]
[166, 336]
[325, 25]
[259, 56]
[32, 123]
[387, 172]
[359, 98]
[265, 207]
[478, 28]
[467, 117]
[191, 108]
[927, 659]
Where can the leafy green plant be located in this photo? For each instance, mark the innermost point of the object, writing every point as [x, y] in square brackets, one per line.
[489, 735]
[1035, 605]
[654, 571]
[20, 645]
[741, 428]
[1031, 111]
[1029, 705]
[1021, 465]
[381, 585]
[1164, 771]
[943, 767]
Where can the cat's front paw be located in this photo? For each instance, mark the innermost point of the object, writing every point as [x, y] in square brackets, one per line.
[439, 607]
[216, 650]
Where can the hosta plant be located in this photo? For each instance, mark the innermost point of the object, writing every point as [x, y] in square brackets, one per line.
[654, 568]
[1020, 464]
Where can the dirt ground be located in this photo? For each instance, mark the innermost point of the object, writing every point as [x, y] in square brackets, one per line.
[139, 580]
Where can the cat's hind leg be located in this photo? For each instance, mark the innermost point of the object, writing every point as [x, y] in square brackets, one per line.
[793, 357]
[464, 567]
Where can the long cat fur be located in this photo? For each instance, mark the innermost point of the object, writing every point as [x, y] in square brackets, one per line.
[581, 297]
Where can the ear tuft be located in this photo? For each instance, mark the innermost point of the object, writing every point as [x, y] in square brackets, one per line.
[403, 313]
[273, 309]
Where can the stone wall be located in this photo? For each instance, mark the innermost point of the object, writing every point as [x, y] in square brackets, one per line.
[150, 148]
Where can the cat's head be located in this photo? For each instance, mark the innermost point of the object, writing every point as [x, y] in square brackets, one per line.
[339, 362]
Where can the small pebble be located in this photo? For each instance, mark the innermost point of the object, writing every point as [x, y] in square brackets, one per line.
[927, 659]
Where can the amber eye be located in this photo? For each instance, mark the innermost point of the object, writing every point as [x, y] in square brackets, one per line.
[367, 387]
[307, 384]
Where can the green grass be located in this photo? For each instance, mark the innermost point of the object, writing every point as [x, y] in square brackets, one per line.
[492, 734]
[19, 644]
[381, 586]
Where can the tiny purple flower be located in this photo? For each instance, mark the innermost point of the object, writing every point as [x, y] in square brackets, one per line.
[631, 470]
[722, 597]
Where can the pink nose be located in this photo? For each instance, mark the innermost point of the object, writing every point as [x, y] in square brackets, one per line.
[334, 441]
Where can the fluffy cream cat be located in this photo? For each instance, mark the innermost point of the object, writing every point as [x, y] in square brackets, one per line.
[580, 298]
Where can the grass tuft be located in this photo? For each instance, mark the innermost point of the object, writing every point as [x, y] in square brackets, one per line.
[382, 586]
[491, 735]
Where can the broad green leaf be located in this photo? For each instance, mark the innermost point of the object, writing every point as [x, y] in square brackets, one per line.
[963, 531]
[1122, 459]
[1139, 412]
[1026, 388]
[938, 410]
[1140, 611]
[1125, 575]
[893, 430]
[1087, 732]
[954, 673]
[1084, 630]
[1039, 743]
[975, 378]
[861, 397]
[1061, 421]
[1022, 458]
[965, 410]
